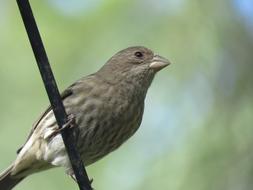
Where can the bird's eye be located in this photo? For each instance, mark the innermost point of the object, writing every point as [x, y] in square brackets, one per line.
[138, 54]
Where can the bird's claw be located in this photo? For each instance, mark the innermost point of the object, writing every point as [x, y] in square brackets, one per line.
[91, 181]
[74, 178]
[71, 122]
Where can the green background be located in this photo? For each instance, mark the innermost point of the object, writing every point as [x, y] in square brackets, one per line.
[197, 128]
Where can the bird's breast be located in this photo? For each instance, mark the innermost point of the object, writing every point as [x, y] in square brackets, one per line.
[110, 119]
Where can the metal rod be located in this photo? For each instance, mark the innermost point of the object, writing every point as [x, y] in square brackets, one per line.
[53, 93]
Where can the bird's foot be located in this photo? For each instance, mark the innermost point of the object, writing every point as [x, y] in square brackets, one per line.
[71, 122]
[72, 175]
[91, 181]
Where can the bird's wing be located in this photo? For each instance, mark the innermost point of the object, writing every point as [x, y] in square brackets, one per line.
[68, 92]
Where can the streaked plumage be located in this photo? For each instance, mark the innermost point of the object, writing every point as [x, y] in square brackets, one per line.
[108, 107]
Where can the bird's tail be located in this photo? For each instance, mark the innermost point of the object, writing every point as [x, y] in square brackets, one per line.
[7, 182]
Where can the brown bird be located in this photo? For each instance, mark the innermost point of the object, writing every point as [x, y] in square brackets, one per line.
[108, 107]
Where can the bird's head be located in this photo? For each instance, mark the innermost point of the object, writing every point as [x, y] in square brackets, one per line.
[134, 64]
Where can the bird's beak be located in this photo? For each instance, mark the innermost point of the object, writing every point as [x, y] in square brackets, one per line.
[158, 63]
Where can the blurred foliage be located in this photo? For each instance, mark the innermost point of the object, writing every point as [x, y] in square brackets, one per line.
[197, 128]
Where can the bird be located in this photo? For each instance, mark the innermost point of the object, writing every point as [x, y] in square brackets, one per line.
[107, 106]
